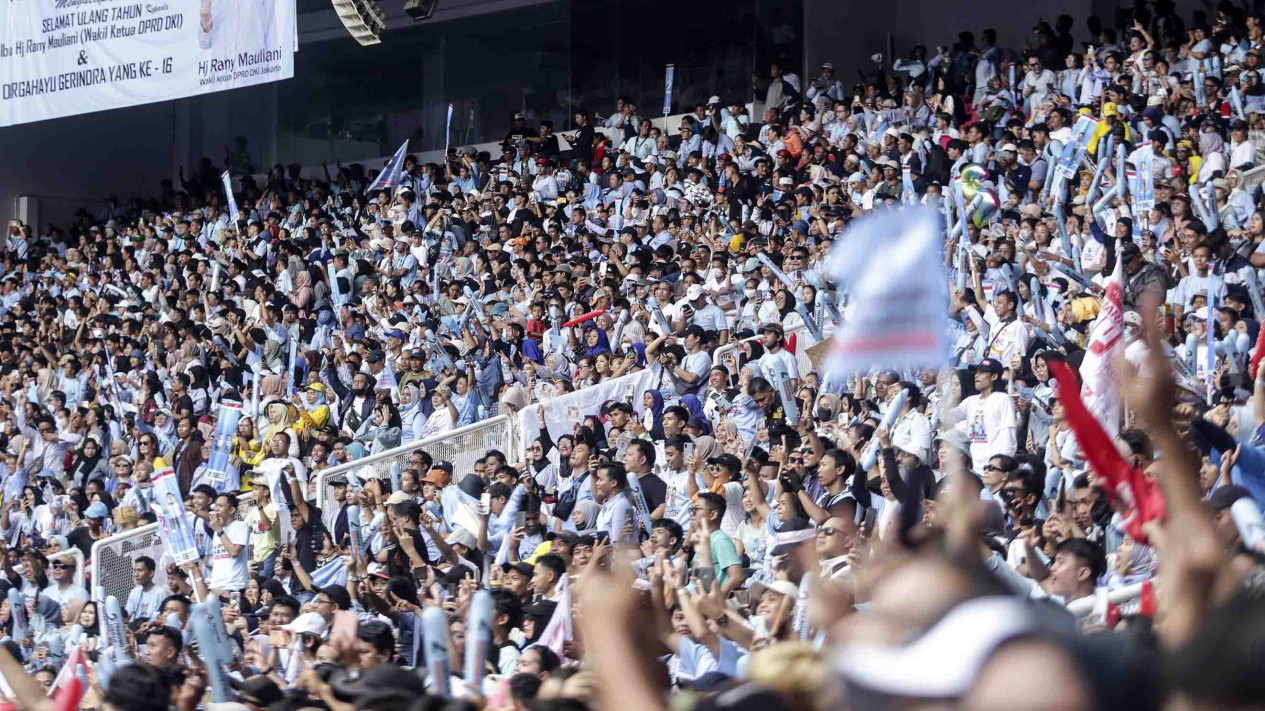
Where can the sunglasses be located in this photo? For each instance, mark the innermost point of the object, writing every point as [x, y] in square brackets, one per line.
[62, 566]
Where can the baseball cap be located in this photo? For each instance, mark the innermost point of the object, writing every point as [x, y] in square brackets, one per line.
[1109, 109]
[1009, 148]
[1225, 496]
[524, 569]
[781, 587]
[309, 622]
[696, 330]
[376, 357]
[991, 365]
[727, 461]
[96, 510]
[397, 497]
[693, 292]
[461, 536]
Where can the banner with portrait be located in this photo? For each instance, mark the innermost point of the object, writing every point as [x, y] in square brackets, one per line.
[177, 533]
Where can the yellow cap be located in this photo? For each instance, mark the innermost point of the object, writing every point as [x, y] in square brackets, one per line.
[1109, 109]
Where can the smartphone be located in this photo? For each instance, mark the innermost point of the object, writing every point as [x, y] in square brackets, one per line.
[345, 626]
[235, 600]
[279, 639]
[706, 576]
[485, 500]
[688, 450]
[520, 519]
[870, 515]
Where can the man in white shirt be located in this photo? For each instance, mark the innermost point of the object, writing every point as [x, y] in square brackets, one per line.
[144, 601]
[776, 356]
[63, 588]
[1009, 335]
[229, 550]
[989, 417]
[1037, 83]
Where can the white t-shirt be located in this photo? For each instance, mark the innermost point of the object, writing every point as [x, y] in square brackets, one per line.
[771, 361]
[989, 426]
[230, 572]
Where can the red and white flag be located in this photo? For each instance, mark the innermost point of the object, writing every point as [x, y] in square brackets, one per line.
[1100, 384]
[68, 687]
[560, 629]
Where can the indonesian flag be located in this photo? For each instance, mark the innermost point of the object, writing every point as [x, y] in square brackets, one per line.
[68, 688]
[1137, 498]
[1099, 388]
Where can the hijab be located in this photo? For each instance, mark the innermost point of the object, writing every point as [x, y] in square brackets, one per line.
[589, 508]
[603, 343]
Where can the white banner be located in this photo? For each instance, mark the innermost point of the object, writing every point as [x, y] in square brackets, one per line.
[65, 57]
[563, 412]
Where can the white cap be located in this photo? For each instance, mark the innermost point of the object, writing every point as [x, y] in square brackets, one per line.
[1010, 148]
[714, 100]
[309, 622]
[693, 292]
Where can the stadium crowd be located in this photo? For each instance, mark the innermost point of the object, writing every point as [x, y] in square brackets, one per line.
[746, 528]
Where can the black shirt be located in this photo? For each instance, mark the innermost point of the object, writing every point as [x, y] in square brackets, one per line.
[654, 489]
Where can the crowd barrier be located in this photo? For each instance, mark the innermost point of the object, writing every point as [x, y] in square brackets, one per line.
[75, 555]
[462, 446]
[803, 342]
[114, 557]
[1123, 597]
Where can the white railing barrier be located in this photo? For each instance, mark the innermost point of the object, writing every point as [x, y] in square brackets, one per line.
[113, 559]
[1082, 607]
[802, 345]
[76, 555]
[462, 446]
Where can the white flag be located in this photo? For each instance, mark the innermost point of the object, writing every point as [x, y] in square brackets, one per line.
[1099, 385]
[900, 303]
[390, 175]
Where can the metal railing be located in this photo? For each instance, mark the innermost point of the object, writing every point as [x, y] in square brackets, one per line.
[113, 559]
[462, 446]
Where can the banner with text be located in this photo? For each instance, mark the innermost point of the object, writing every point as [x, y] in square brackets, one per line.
[66, 57]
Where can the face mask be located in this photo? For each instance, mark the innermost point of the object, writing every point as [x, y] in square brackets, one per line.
[825, 414]
[750, 293]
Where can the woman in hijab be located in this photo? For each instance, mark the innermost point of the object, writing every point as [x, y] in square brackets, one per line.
[411, 417]
[382, 430]
[514, 398]
[1211, 149]
[595, 340]
[594, 425]
[199, 390]
[302, 291]
[313, 407]
[752, 351]
[695, 407]
[88, 463]
[652, 420]
[442, 418]
[165, 431]
[279, 420]
[583, 518]
[542, 456]
[1135, 563]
